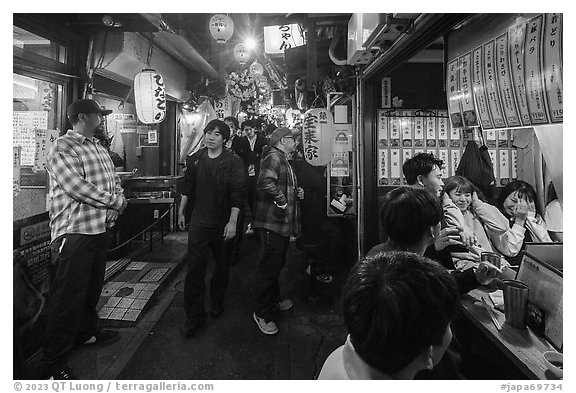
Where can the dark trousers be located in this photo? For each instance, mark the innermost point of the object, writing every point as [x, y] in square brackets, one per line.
[200, 240]
[232, 247]
[251, 192]
[267, 287]
[74, 294]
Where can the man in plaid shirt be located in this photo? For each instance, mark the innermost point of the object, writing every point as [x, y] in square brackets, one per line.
[276, 219]
[86, 199]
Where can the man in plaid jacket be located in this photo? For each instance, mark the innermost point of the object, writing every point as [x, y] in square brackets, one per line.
[276, 219]
[85, 199]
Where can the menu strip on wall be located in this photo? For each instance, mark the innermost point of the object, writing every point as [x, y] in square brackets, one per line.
[534, 85]
[492, 86]
[382, 129]
[383, 167]
[465, 84]
[479, 88]
[506, 90]
[552, 66]
[516, 38]
[454, 102]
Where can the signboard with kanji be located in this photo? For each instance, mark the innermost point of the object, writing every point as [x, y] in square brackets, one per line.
[317, 136]
[279, 38]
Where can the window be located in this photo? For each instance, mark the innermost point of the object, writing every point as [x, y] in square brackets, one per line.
[31, 43]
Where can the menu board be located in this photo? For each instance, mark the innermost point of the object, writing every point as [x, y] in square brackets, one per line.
[25, 124]
[516, 40]
[505, 83]
[552, 67]
[454, 103]
[492, 86]
[534, 85]
[466, 88]
[479, 89]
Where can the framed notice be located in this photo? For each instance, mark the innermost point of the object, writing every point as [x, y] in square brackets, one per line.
[491, 81]
[479, 88]
[466, 88]
[505, 82]
[516, 40]
[453, 93]
[552, 66]
[534, 84]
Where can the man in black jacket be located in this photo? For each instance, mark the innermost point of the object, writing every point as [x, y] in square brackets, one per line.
[215, 187]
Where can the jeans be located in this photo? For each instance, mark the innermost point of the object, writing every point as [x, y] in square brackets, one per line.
[267, 287]
[74, 294]
[200, 240]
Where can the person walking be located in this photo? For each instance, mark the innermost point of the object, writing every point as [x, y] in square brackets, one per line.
[276, 219]
[85, 200]
[214, 187]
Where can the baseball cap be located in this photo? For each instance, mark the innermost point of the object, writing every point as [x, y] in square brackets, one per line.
[278, 134]
[86, 106]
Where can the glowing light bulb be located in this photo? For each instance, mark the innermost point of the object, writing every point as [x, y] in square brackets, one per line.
[250, 43]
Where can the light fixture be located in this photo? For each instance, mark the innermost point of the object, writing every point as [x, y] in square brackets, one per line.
[250, 43]
[241, 53]
[221, 28]
[150, 96]
[256, 68]
[108, 21]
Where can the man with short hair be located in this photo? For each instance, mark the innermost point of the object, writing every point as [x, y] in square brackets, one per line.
[398, 307]
[276, 219]
[214, 187]
[85, 200]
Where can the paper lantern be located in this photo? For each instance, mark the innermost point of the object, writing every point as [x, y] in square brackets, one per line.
[317, 136]
[241, 53]
[150, 97]
[256, 69]
[221, 28]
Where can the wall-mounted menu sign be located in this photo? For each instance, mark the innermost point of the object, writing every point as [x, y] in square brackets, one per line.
[512, 80]
[25, 124]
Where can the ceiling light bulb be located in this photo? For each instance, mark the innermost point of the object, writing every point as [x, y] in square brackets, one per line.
[250, 43]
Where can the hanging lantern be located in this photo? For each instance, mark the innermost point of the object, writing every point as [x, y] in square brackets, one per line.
[221, 28]
[241, 53]
[256, 69]
[150, 97]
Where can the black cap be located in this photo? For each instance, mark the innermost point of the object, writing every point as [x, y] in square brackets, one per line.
[86, 106]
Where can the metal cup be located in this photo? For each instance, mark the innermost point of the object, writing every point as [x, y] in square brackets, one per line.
[515, 302]
[492, 258]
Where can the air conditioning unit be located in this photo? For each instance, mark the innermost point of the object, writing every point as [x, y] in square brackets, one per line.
[360, 27]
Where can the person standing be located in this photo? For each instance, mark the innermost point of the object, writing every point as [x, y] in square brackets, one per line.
[85, 200]
[255, 143]
[276, 219]
[214, 187]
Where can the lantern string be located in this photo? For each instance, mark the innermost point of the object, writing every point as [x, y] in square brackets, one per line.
[150, 42]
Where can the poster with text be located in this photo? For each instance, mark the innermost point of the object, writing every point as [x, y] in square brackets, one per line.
[516, 38]
[492, 87]
[466, 88]
[505, 82]
[382, 129]
[453, 94]
[552, 46]
[479, 88]
[534, 84]
[44, 140]
[383, 167]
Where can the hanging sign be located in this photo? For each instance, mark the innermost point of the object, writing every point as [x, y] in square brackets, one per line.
[150, 97]
[492, 87]
[16, 156]
[223, 107]
[516, 38]
[465, 84]
[44, 140]
[279, 38]
[316, 136]
[503, 73]
[342, 137]
[293, 116]
[534, 85]
[552, 67]
[382, 129]
[454, 94]
[479, 88]
[387, 92]
[340, 164]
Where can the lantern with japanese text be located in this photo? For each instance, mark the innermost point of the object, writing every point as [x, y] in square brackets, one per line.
[241, 53]
[150, 97]
[221, 28]
[317, 136]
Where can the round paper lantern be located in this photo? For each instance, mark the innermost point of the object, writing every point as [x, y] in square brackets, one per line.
[221, 28]
[256, 69]
[150, 97]
[241, 53]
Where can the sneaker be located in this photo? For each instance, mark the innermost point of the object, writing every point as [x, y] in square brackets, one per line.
[101, 338]
[61, 374]
[265, 327]
[191, 327]
[284, 305]
[323, 278]
[249, 230]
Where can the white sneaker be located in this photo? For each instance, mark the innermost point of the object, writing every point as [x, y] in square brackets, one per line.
[265, 327]
[324, 278]
[284, 305]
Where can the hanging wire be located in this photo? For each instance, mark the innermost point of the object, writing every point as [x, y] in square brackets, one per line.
[150, 46]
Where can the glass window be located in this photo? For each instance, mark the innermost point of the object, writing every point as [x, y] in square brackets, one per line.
[30, 42]
[36, 122]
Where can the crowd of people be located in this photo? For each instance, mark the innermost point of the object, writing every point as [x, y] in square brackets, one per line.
[398, 301]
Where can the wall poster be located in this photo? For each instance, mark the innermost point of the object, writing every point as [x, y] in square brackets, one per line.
[465, 84]
[492, 86]
[505, 83]
[479, 89]
[552, 66]
[534, 85]
[454, 103]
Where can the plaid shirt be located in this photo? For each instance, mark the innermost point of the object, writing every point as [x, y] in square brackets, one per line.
[277, 183]
[83, 186]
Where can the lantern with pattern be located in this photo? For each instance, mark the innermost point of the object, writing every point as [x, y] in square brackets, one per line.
[221, 28]
[150, 96]
[241, 53]
[256, 69]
